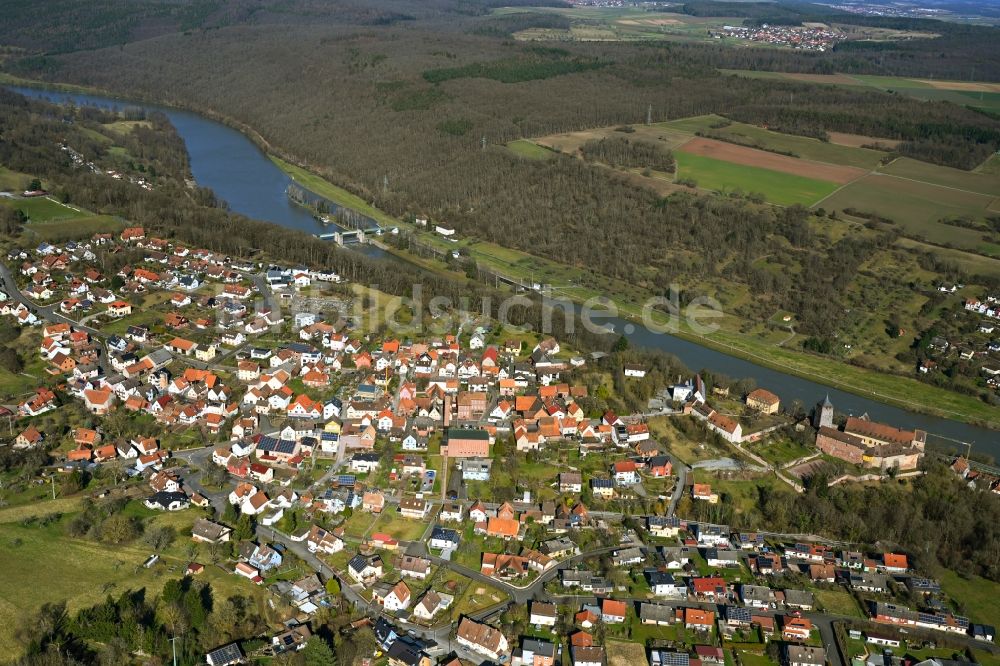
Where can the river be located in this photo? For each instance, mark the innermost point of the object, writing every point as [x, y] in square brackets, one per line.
[241, 174]
[223, 159]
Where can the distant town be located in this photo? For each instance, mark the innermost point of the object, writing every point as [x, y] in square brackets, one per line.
[796, 37]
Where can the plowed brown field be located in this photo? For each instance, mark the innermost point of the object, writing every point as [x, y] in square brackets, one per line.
[730, 152]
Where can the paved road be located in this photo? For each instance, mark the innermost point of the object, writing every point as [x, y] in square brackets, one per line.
[198, 460]
[49, 313]
[518, 594]
[265, 291]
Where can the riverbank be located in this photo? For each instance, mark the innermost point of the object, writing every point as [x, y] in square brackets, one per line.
[903, 392]
[324, 188]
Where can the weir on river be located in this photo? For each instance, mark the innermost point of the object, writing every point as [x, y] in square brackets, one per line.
[241, 174]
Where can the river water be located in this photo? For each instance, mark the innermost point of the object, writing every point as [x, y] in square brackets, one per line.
[229, 163]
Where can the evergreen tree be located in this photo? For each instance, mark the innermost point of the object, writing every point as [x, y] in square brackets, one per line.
[318, 652]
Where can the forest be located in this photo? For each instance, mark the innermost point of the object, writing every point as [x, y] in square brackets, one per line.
[622, 152]
[964, 524]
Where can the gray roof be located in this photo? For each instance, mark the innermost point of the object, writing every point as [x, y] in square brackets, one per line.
[799, 598]
[539, 646]
[804, 654]
[656, 612]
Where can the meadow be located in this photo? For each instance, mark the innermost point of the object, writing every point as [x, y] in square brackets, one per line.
[44, 209]
[82, 572]
[777, 187]
[917, 207]
[980, 183]
[529, 150]
[52, 221]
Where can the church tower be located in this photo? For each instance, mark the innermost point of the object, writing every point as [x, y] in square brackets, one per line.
[823, 416]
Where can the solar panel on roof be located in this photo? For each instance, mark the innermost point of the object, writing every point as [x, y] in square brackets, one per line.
[227, 654]
[674, 659]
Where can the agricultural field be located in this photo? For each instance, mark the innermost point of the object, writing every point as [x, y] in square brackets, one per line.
[607, 24]
[777, 187]
[859, 140]
[918, 207]
[980, 183]
[529, 150]
[804, 147]
[725, 167]
[985, 96]
[662, 133]
[723, 156]
[765, 159]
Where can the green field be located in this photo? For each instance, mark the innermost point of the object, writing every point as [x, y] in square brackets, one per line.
[395, 525]
[780, 188]
[988, 101]
[977, 595]
[83, 572]
[804, 147]
[56, 231]
[56, 222]
[529, 150]
[981, 183]
[44, 209]
[780, 451]
[970, 262]
[917, 207]
[838, 601]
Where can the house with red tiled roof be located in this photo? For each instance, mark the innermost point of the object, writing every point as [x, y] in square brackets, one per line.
[613, 611]
[505, 528]
[98, 401]
[895, 563]
[181, 346]
[696, 618]
[28, 438]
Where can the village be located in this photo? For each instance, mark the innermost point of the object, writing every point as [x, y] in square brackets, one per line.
[438, 482]
[809, 37]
